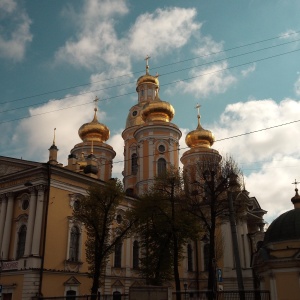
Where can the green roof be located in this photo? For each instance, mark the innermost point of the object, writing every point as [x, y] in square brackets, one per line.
[285, 227]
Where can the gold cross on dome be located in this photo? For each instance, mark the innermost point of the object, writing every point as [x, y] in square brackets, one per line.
[96, 102]
[295, 183]
[54, 136]
[147, 65]
[198, 108]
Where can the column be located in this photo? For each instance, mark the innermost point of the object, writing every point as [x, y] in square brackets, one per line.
[2, 217]
[35, 249]
[30, 224]
[7, 226]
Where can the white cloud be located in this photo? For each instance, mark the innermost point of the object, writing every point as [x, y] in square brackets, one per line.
[207, 47]
[271, 185]
[8, 6]
[269, 159]
[289, 34]
[66, 121]
[297, 86]
[17, 33]
[117, 142]
[96, 43]
[249, 70]
[205, 81]
[162, 31]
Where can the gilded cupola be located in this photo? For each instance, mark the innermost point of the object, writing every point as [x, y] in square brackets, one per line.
[199, 137]
[94, 131]
[158, 110]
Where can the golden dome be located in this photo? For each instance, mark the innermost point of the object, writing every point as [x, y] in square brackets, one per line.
[158, 110]
[200, 137]
[147, 79]
[134, 117]
[94, 131]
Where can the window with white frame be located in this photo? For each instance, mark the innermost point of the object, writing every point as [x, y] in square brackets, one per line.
[74, 241]
[74, 244]
[161, 166]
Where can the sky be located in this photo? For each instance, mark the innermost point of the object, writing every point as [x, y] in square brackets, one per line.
[238, 59]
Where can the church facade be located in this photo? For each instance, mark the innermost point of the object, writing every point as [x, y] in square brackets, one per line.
[42, 247]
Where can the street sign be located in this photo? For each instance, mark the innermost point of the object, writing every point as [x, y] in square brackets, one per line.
[219, 275]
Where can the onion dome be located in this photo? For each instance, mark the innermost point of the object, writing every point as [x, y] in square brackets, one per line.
[134, 117]
[94, 131]
[199, 137]
[287, 226]
[158, 110]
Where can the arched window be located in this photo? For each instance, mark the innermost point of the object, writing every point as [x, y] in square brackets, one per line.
[190, 257]
[117, 295]
[118, 255]
[206, 256]
[136, 254]
[161, 166]
[21, 241]
[134, 164]
[74, 244]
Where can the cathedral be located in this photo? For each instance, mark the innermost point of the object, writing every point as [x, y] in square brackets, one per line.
[42, 247]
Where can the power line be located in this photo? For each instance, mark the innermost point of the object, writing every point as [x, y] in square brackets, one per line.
[117, 96]
[159, 67]
[219, 140]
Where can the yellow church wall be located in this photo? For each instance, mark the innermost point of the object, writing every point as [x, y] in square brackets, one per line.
[54, 284]
[12, 280]
[288, 286]
[57, 229]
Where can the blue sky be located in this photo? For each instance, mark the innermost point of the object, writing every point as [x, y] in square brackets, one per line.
[238, 59]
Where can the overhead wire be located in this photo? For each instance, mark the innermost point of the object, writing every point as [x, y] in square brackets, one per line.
[118, 96]
[159, 67]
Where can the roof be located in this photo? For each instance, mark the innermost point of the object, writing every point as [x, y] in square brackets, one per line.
[286, 227]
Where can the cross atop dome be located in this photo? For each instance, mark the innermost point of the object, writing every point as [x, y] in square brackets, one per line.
[198, 115]
[147, 64]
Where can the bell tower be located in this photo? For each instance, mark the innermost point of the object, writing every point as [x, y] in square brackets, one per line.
[93, 156]
[151, 140]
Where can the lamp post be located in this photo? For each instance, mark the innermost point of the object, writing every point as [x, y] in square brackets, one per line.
[185, 288]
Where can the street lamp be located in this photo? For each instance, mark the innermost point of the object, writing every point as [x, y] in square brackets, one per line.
[185, 288]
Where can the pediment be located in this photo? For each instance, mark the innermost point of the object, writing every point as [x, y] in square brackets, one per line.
[11, 165]
[72, 281]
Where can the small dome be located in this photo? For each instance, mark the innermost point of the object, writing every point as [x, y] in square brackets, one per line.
[94, 131]
[158, 110]
[147, 79]
[200, 137]
[285, 227]
[134, 117]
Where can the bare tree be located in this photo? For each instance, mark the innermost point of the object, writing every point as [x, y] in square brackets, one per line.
[97, 211]
[165, 226]
[208, 201]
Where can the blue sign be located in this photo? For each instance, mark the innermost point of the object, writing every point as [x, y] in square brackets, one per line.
[219, 275]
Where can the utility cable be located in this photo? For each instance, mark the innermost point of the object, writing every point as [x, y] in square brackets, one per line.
[166, 84]
[155, 67]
